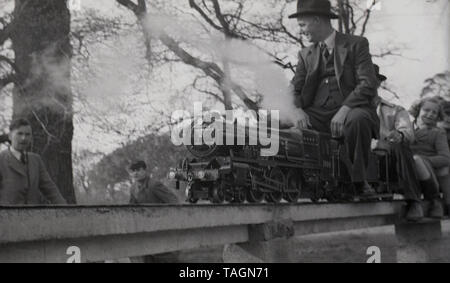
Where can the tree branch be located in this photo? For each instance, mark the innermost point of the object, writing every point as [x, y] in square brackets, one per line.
[366, 20]
[204, 15]
[6, 31]
[220, 17]
[238, 15]
[6, 80]
[10, 62]
[138, 9]
[210, 69]
[387, 53]
[285, 30]
[390, 91]
[215, 95]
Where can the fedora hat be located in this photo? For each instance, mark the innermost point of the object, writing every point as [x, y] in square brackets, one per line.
[380, 77]
[314, 7]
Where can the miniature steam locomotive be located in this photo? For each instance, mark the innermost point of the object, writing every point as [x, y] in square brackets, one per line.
[308, 165]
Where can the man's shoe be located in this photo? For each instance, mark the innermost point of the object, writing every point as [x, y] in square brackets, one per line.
[436, 209]
[364, 189]
[414, 212]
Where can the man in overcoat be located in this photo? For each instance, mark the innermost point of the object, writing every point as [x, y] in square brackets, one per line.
[23, 176]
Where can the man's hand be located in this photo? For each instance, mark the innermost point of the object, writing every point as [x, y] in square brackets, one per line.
[394, 137]
[302, 119]
[337, 123]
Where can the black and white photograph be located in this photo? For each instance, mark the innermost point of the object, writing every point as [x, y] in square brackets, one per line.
[218, 137]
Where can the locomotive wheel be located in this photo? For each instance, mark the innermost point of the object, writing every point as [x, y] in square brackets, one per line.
[239, 195]
[218, 195]
[229, 197]
[276, 196]
[254, 194]
[318, 192]
[225, 184]
[294, 187]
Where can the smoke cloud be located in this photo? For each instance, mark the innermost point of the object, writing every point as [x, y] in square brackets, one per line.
[250, 66]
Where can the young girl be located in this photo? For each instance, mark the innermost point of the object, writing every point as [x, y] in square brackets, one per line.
[446, 123]
[431, 151]
[444, 181]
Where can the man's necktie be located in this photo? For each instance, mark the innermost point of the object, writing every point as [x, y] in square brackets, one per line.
[23, 158]
[324, 50]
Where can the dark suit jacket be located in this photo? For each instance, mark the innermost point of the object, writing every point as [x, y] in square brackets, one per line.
[354, 71]
[14, 187]
[151, 191]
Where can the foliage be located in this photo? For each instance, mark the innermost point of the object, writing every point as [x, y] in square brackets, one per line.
[438, 85]
[110, 176]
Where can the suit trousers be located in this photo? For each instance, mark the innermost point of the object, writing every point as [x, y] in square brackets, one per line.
[361, 125]
[403, 161]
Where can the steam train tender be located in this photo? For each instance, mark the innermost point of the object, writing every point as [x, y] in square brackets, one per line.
[308, 165]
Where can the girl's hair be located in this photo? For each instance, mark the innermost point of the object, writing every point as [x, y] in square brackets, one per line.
[416, 106]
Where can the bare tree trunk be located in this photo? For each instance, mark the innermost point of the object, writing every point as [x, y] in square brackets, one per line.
[42, 92]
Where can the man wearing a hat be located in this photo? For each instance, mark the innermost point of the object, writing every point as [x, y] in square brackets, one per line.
[396, 135]
[395, 125]
[146, 190]
[335, 84]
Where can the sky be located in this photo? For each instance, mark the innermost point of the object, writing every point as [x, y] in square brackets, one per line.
[420, 29]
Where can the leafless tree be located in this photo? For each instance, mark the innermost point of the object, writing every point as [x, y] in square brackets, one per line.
[438, 85]
[232, 19]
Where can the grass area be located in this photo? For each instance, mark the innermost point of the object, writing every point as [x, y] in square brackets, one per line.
[348, 246]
